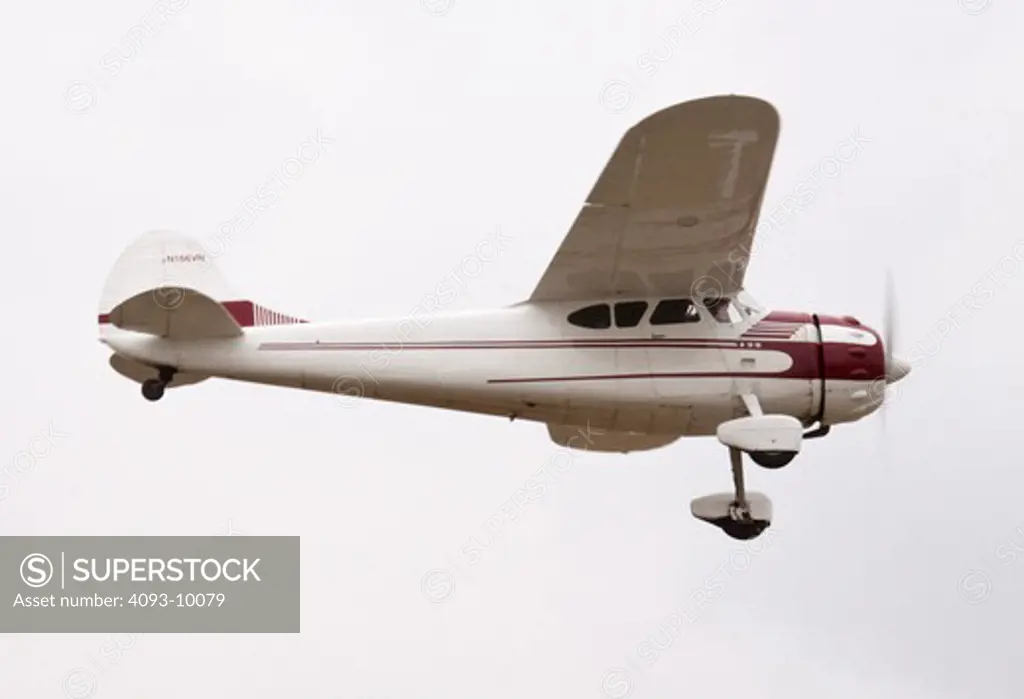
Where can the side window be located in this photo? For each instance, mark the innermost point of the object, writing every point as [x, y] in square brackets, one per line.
[597, 317]
[672, 311]
[629, 313]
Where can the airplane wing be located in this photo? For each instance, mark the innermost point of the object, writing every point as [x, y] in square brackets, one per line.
[674, 211]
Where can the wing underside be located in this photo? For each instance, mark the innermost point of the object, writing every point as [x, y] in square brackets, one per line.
[674, 211]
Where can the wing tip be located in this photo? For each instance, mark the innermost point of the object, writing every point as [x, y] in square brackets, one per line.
[748, 104]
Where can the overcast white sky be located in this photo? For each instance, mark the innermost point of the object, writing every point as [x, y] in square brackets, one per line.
[451, 120]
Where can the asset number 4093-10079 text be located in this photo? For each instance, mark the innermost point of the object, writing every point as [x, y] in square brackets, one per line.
[188, 599]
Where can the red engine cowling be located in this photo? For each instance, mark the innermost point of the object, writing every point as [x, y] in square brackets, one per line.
[851, 368]
[844, 362]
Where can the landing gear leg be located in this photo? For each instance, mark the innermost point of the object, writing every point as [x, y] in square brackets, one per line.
[741, 523]
[153, 389]
[741, 515]
[736, 460]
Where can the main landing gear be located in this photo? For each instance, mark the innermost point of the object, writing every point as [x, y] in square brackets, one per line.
[772, 441]
[153, 389]
[740, 514]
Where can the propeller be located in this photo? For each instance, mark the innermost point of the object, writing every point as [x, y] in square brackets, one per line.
[895, 366]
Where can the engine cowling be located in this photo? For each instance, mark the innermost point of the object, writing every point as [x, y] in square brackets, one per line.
[843, 360]
[852, 369]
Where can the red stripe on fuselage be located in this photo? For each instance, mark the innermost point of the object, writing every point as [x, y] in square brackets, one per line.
[697, 343]
[665, 375]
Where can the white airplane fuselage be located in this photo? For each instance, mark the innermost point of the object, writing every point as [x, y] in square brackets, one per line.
[528, 362]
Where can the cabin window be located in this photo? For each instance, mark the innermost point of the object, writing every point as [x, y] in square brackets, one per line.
[596, 317]
[629, 313]
[672, 311]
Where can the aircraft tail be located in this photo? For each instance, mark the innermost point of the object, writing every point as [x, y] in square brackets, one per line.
[166, 284]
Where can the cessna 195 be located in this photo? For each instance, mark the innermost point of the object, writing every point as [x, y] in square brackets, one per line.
[639, 330]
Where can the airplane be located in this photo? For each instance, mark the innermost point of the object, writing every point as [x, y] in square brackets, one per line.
[639, 332]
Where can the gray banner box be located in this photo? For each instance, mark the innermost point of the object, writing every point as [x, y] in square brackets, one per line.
[59, 570]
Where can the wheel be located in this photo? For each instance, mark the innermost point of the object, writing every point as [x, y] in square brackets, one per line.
[744, 529]
[772, 459]
[153, 389]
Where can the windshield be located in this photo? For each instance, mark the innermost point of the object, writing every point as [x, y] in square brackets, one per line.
[724, 310]
[748, 305]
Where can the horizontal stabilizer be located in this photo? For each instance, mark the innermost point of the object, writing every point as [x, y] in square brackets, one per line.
[176, 313]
